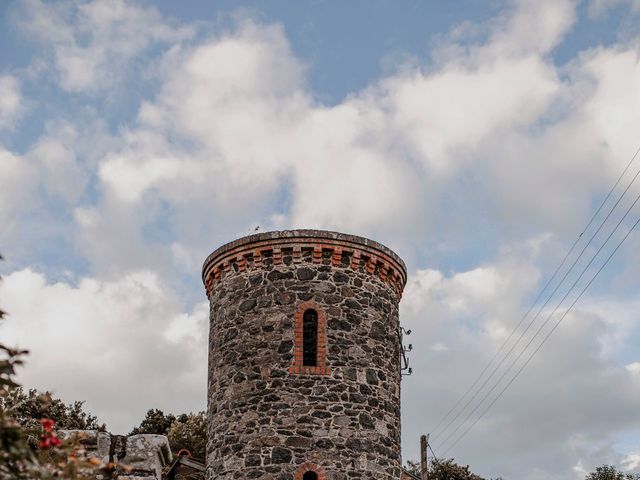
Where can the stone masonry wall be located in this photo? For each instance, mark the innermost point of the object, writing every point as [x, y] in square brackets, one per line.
[270, 418]
[139, 457]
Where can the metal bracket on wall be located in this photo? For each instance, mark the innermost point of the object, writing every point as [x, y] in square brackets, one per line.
[405, 369]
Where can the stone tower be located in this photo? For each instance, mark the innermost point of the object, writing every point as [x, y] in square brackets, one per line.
[304, 358]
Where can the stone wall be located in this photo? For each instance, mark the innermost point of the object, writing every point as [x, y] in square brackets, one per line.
[144, 456]
[269, 416]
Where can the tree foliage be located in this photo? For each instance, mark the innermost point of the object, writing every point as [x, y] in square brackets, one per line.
[186, 431]
[444, 469]
[17, 458]
[609, 472]
[155, 422]
[189, 432]
[449, 470]
[28, 407]
[413, 467]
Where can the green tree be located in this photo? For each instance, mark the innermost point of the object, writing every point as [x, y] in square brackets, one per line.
[440, 469]
[609, 472]
[413, 467]
[155, 422]
[17, 458]
[29, 407]
[189, 432]
[449, 470]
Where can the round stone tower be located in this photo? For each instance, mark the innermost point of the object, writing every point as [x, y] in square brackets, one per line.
[304, 358]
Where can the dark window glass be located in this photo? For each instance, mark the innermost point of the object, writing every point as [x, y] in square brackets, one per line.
[310, 475]
[310, 340]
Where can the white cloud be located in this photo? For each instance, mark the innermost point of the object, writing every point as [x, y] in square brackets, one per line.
[534, 26]
[123, 346]
[93, 43]
[612, 109]
[61, 173]
[634, 368]
[555, 408]
[631, 462]
[439, 347]
[216, 96]
[444, 119]
[235, 128]
[17, 181]
[477, 293]
[250, 132]
[620, 318]
[189, 327]
[38, 186]
[598, 8]
[11, 101]
[131, 177]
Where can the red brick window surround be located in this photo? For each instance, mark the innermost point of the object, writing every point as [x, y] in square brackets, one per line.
[310, 319]
[310, 471]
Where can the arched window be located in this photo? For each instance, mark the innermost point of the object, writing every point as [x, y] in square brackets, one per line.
[310, 343]
[310, 471]
[310, 339]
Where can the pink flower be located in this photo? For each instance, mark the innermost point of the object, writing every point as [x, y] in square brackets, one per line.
[47, 424]
[48, 439]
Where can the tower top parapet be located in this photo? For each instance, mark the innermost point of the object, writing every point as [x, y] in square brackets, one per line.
[318, 246]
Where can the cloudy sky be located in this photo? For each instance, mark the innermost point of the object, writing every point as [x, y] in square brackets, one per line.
[474, 138]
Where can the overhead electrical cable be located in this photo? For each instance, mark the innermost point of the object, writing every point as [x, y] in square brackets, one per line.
[477, 392]
[540, 310]
[530, 324]
[548, 318]
[547, 335]
[432, 452]
[515, 329]
[495, 355]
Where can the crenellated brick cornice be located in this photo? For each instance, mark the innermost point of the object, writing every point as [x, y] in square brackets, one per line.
[305, 246]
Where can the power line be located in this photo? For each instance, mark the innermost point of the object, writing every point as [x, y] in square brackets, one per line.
[547, 336]
[515, 329]
[495, 355]
[432, 452]
[548, 318]
[564, 277]
[575, 262]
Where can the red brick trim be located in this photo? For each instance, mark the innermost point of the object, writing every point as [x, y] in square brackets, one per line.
[298, 367]
[356, 257]
[309, 467]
